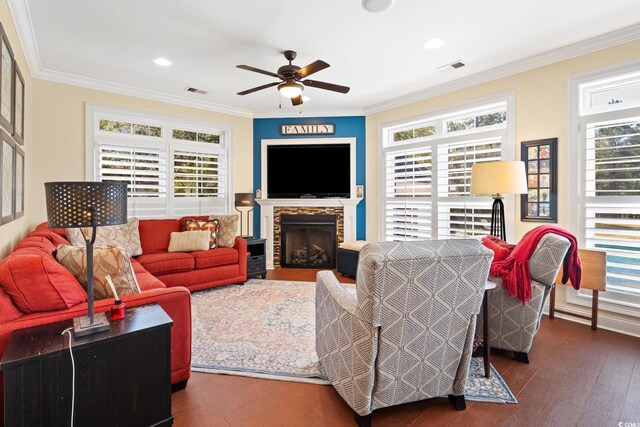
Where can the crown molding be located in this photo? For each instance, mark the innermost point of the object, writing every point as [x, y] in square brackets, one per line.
[272, 114]
[19, 11]
[584, 47]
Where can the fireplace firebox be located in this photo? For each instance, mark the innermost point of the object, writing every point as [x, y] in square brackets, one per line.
[308, 241]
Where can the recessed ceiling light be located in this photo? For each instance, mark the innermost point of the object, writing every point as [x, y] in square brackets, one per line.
[306, 99]
[434, 44]
[377, 5]
[163, 62]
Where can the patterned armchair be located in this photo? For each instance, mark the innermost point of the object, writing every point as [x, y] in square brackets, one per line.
[408, 334]
[514, 324]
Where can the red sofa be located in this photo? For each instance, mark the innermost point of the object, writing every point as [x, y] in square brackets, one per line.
[31, 279]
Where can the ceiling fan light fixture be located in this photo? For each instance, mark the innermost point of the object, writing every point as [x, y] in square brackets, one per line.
[377, 5]
[290, 89]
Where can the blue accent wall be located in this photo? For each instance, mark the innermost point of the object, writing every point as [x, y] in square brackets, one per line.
[345, 127]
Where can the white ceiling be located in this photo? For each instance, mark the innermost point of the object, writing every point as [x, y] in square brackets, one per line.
[380, 56]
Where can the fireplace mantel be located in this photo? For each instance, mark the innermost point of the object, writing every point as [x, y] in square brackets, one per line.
[266, 217]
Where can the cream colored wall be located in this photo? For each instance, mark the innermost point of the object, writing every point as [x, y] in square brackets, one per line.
[541, 112]
[11, 232]
[59, 135]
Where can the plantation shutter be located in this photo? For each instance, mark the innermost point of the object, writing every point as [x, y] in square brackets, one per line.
[612, 206]
[460, 214]
[408, 194]
[143, 169]
[198, 182]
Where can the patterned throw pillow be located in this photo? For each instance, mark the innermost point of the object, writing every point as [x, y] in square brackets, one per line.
[228, 230]
[189, 241]
[124, 236]
[110, 261]
[212, 226]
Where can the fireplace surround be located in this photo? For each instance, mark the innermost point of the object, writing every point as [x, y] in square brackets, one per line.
[308, 241]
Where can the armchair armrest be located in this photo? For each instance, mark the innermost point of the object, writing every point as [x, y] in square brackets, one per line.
[546, 260]
[346, 342]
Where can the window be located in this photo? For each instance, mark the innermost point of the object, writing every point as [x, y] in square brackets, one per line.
[608, 182]
[172, 168]
[427, 172]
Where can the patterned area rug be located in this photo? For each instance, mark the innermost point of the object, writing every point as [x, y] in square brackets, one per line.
[266, 329]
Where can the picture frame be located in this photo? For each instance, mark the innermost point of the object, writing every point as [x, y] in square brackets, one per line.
[19, 165]
[540, 203]
[6, 82]
[360, 191]
[18, 104]
[7, 178]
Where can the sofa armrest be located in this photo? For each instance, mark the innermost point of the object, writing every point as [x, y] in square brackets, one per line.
[241, 247]
[345, 342]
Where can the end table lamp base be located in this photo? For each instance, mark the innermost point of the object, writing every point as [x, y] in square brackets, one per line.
[82, 326]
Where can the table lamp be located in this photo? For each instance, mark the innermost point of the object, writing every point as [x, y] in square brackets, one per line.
[86, 205]
[497, 179]
[244, 200]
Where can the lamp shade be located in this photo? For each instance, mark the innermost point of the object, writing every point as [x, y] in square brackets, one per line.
[73, 204]
[244, 200]
[498, 178]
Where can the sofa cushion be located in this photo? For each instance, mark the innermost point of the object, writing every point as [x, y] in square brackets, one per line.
[215, 257]
[155, 234]
[36, 282]
[188, 241]
[124, 236]
[166, 262]
[8, 310]
[146, 280]
[45, 227]
[54, 238]
[111, 262]
[41, 243]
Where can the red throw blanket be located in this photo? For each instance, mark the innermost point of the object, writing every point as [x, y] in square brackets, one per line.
[514, 270]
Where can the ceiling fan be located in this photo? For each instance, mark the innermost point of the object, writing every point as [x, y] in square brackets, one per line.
[291, 76]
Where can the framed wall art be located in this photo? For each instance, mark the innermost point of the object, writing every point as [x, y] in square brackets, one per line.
[7, 179]
[18, 104]
[6, 82]
[19, 183]
[540, 203]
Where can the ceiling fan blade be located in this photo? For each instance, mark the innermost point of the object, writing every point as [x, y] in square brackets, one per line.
[314, 67]
[297, 100]
[255, 89]
[258, 70]
[326, 86]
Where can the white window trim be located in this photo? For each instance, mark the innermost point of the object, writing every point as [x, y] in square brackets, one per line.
[613, 301]
[93, 112]
[508, 151]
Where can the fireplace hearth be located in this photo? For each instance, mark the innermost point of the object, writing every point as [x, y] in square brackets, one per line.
[308, 241]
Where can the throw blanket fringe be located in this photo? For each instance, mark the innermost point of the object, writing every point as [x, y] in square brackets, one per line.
[514, 270]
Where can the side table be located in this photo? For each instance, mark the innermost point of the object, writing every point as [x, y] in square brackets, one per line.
[256, 262]
[122, 376]
[486, 337]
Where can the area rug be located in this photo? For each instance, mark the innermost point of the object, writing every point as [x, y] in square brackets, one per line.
[266, 329]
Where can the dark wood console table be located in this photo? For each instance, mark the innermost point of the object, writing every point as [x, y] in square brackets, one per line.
[122, 376]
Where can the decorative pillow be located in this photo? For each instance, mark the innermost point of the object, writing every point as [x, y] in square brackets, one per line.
[36, 282]
[124, 236]
[499, 252]
[211, 226]
[110, 261]
[228, 230]
[189, 241]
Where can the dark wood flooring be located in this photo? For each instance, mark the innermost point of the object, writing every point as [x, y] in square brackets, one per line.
[577, 377]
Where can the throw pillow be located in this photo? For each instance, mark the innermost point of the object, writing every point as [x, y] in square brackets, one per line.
[228, 229]
[109, 261]
[211, 226]
[36, 282]
[189, 241]
[499, 252]
[124, 236]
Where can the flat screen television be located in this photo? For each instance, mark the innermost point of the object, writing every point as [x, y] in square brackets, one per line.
[308, 170]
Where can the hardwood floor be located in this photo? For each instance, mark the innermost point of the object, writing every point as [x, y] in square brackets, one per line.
[577, 377]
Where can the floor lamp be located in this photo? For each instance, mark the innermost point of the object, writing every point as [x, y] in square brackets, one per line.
[86, 205]
[498, 179]
[244, 200]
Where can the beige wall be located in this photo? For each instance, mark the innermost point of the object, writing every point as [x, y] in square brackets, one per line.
[11, 232]
[541, 112]
[59, 135]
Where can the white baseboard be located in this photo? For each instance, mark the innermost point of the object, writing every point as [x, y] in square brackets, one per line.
[605, 321]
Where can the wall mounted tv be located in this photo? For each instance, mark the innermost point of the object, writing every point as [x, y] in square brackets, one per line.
[308, 170]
